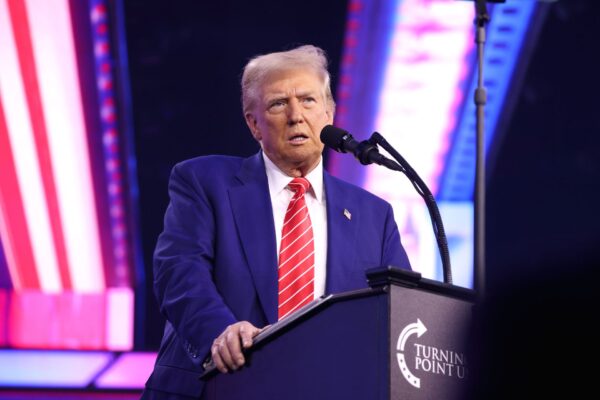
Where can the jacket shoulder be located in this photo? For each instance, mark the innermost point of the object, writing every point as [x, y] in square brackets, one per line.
[348, 190]
[208, 164]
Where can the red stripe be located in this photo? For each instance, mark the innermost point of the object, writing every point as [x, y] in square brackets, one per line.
[301, 222]
[288, 288]
[307, 299]
[22, 35]
[292, 243]
[293, 273]
[295, 258]
[296, 255]
[291, 305]
[23, 272]
[294, 215]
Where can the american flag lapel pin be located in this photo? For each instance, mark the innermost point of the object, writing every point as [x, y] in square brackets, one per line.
[347, 214]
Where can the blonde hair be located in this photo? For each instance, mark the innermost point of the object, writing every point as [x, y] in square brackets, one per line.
[261, 67]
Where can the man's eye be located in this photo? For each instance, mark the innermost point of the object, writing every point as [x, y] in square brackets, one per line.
[276, 104]
[309, 100]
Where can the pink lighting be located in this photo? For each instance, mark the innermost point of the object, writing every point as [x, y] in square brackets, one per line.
[3, 317]
[75, 369]
[404, 65]
[111, 146]
[119, 306]
[69, 288]
[51, 368]
[428, 56]
[56, 68]
[130, 371]
[69, 320]
[24, 126]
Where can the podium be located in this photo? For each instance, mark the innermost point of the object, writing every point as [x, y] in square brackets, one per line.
[404, 337]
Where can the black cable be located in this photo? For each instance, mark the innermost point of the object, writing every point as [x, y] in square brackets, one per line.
[425, 193]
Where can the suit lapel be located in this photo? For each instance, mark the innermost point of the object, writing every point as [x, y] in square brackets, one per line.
[342, 222]
[252, 210]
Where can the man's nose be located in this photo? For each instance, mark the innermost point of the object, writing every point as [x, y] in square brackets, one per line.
[295, 112]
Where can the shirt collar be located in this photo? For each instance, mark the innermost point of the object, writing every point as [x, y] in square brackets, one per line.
[278, 180]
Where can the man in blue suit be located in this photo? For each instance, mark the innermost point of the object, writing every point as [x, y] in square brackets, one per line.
[216, 263]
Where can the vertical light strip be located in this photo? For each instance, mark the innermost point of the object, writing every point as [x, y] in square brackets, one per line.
[366, 48]
[22, 36]
[13, 228]
[111, 144]
[420, 94]
[57, 72]
[419, 98]
[119, 318]
[25, 155]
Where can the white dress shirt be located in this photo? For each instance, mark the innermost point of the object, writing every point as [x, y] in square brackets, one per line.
[315, 201]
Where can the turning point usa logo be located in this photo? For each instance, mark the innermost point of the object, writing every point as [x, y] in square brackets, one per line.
[427, 359]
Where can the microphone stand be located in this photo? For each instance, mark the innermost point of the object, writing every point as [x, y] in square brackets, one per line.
[423, 190]
[482, 17]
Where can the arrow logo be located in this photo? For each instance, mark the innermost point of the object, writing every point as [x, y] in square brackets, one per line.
[410, 329]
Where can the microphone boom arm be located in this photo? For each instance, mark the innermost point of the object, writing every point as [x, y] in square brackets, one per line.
[434, 213]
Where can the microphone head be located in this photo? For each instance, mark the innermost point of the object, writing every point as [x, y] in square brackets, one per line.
[334, 138]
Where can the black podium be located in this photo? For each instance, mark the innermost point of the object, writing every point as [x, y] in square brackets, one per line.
[403, 338]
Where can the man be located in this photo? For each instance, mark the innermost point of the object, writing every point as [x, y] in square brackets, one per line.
[245, 244]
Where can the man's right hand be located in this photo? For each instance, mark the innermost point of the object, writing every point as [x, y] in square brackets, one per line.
[227, 348]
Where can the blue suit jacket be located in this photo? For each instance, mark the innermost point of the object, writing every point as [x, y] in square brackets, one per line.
[215, 262]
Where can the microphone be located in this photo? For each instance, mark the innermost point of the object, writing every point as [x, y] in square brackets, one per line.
[365, 151]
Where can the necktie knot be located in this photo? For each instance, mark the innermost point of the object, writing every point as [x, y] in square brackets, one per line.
[299, 185]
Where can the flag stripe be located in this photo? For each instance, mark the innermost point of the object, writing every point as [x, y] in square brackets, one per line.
[20, 23]
[22, 147]
[58, 76]
[13, 228]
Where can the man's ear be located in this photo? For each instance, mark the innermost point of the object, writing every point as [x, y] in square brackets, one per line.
[253, 125]
[330, 112]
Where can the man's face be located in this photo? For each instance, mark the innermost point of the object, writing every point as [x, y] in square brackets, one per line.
[287, 119]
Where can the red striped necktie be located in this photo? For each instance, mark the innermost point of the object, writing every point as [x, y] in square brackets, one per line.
[297, 253]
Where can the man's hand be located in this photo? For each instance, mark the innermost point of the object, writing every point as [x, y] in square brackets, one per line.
[227, 348]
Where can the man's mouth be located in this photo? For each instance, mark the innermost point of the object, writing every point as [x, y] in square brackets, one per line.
[299, 138]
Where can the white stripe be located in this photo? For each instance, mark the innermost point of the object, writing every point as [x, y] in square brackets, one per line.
[300, 304]
[287, 218]
[300, 249]
[56, 63]
[295, 293]
[295, 226]
[26, 158]
[299, 184]
[295, 266]
[294, 199]
[295, 240]
[299, 276]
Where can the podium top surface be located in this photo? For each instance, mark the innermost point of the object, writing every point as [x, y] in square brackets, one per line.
[383, 276]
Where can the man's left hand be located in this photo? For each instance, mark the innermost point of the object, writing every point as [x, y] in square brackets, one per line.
[227, 348]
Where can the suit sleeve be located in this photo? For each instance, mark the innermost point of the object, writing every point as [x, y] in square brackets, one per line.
[393, 251]
[184, 262]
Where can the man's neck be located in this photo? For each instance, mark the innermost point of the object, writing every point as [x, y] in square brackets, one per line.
[295, 171]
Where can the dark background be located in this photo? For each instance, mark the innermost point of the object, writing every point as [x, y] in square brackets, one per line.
[185, 61]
